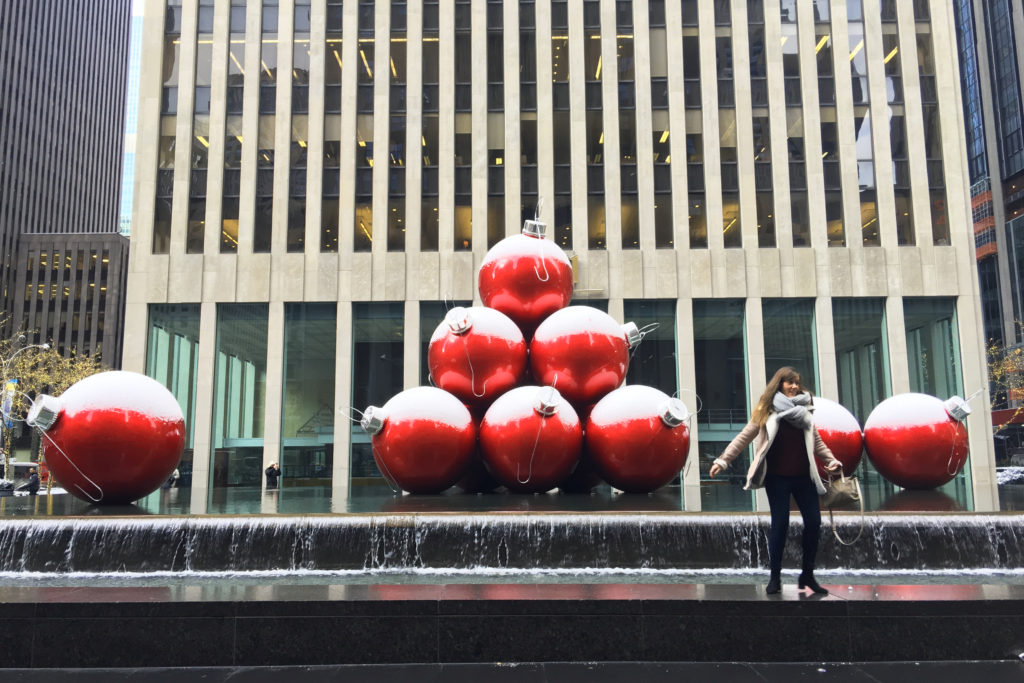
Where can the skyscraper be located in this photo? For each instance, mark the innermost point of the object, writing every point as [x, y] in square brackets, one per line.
[62, 80]
[773, 182]
[990, 71]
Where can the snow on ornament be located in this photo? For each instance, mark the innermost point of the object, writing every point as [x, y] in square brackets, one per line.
[840, 431]
[477, 354]
[583, 352]
[914, 441]
[111, 438]
[638, 438]
[526, 277]
[531, 439]
[423, 439]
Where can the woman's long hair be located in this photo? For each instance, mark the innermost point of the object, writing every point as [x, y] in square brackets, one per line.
[764, 404]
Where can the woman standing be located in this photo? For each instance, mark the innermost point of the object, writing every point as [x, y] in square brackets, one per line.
[785, 445]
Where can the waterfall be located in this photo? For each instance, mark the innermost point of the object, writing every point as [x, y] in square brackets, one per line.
[494, 542]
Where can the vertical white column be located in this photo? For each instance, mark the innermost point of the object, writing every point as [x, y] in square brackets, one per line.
[340, 477]
[687, 379]
[757, 377]
[411, 346]
[970, 332]
[274, 392]
[381, 145]
[513, 126]
[202, 433]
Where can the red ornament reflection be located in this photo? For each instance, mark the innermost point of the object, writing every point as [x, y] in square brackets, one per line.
[638, 438]
[914, 443]
[531, 439]
[582, 352]
[477, 354]
[920, 501]
[527, 278]
[840, 431]
[117, 436]
[423, 439]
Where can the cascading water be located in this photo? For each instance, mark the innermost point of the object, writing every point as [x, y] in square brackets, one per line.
[500, 542]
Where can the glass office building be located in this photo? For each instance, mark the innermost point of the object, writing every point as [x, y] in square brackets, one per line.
[774, 182]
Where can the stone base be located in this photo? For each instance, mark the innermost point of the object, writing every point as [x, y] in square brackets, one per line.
[210, 625]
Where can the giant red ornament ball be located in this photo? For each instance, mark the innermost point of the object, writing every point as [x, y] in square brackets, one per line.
[638, 438]
[582, 352]
[526, 277]
[111, 438]
[477, 354]
[840, 431]
[531, 439]
[913, 441]
[423, 439]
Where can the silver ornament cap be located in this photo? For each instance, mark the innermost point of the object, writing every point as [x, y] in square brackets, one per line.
[44, 412]
[632, 332]
[957, 408]
[458, 320]
[674, 413]
[535, 228]
[547, 401]
[373, 420]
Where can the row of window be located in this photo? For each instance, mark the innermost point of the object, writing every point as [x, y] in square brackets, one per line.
[792, 213]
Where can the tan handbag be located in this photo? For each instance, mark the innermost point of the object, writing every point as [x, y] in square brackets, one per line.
[840, 492]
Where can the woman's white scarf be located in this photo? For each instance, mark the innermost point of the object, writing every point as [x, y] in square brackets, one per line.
[793, 410]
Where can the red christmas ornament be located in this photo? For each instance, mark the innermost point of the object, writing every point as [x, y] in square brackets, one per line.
[111, 438]
[423, 439]
[477, 354]
[582, 352]
[840, 431]
[530, 439]
[526, 277]
[914, 442]
[638, 438]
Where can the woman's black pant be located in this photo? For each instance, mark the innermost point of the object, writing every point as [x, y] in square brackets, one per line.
[802, 489]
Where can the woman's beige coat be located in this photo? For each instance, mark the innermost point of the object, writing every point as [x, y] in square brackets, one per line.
[762, 438]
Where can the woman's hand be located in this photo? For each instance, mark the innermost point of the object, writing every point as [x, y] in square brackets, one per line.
[715, 469]
[834, 466]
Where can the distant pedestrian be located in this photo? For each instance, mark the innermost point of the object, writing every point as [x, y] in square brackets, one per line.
[172, 480]
[273, 473]
[785, 445]
[33, 482]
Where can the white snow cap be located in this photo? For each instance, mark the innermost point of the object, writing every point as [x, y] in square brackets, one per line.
[122, 390]
[907, 409]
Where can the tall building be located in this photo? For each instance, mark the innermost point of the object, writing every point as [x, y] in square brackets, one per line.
[62, 84]
[990, 69]
[739, 172]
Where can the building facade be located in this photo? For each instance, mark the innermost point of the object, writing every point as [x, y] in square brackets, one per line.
[74, 291]
[774, 182]
[62, 87]
[990, 67]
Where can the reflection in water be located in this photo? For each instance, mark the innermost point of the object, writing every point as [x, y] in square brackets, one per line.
[920, 501]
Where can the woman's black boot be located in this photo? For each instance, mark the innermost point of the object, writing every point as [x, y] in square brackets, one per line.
[774, 584]
[806, 580]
